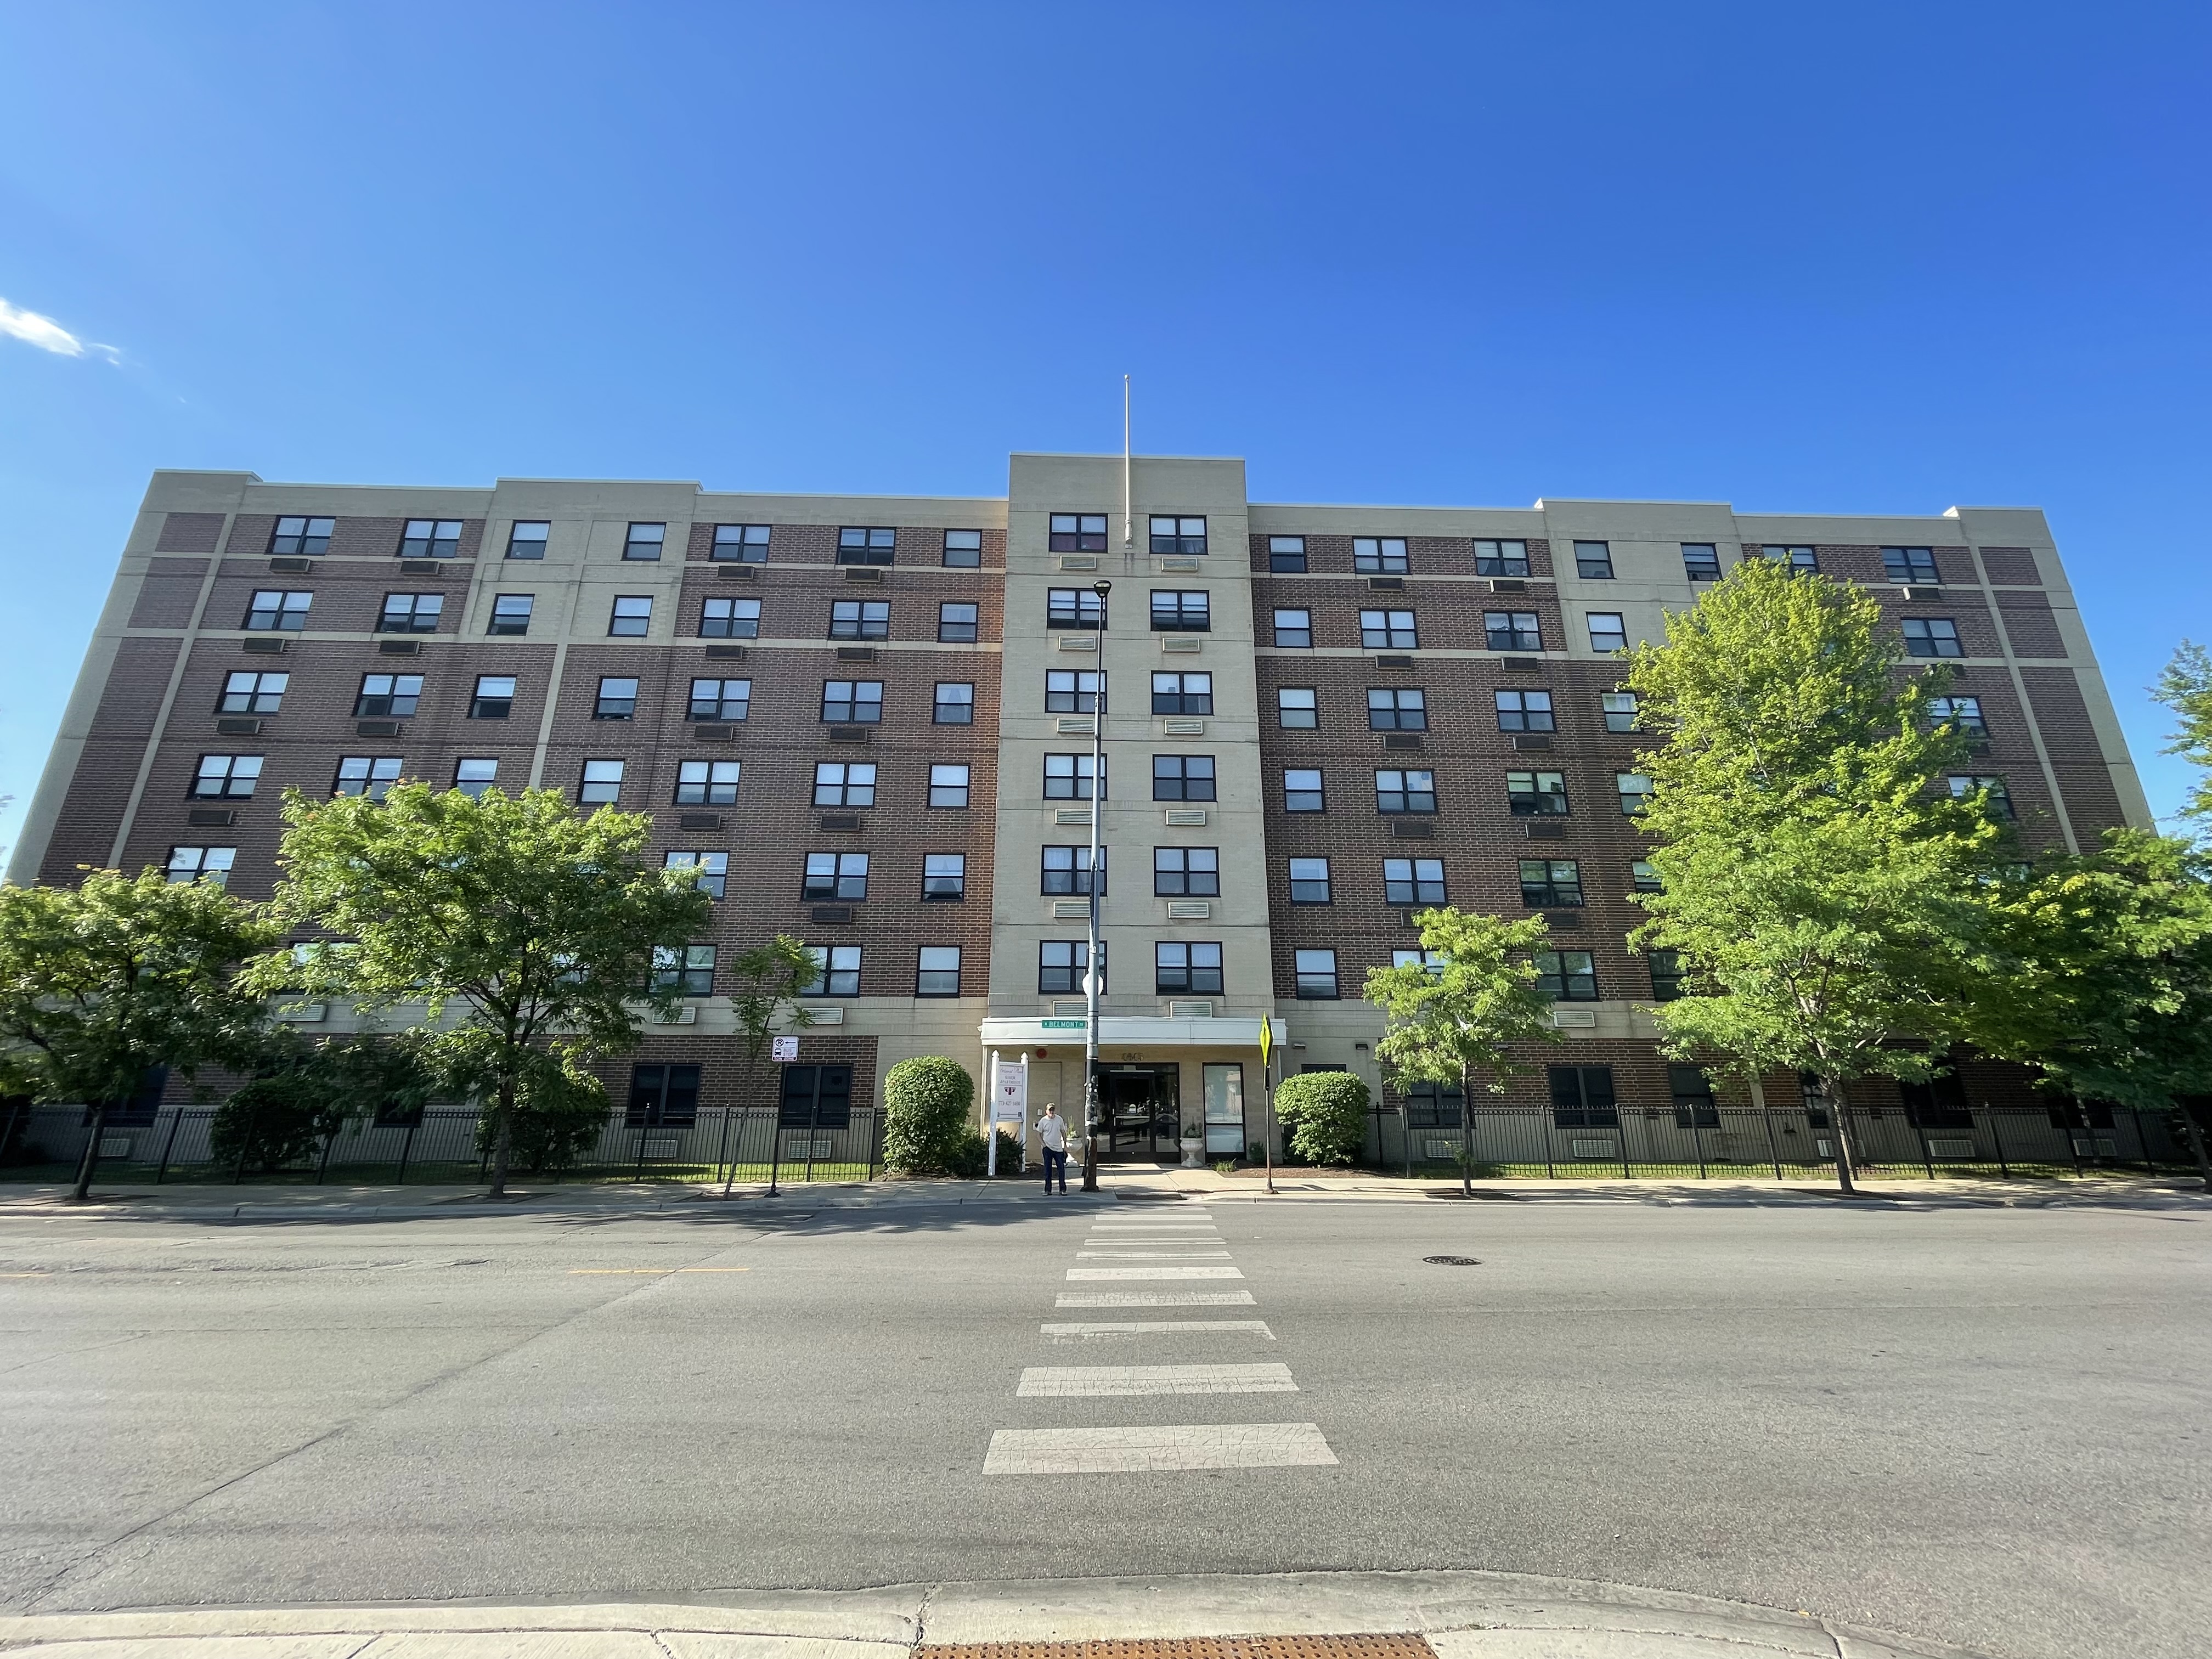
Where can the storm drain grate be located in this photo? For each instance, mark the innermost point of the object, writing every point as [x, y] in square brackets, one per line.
[1399, 1646]
[1453, 1260]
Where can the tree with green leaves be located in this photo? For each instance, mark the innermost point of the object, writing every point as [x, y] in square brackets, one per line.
[2185, 687]
[101, 983]
[765, 985]
[1823, 889]
[303, 1092]
[536, 926]
[1461, 1018]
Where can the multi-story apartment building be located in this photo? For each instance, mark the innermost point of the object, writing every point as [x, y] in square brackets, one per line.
[870, 719]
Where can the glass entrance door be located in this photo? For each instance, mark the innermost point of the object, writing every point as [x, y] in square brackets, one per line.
[1143, 1111]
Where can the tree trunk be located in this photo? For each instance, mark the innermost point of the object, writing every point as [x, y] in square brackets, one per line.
[2195, 1143]
[83, 1190]
[502, 1141]
[1839, 1120]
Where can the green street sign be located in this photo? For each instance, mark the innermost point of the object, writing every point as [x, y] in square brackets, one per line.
[1065, 1024]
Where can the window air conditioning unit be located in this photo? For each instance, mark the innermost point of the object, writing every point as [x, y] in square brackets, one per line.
[687, 1015]
[2101, 1146]
[799, 1148]
[1823, 1149]
[1957, 1152]
[115, 1146]
[1594, 1149]
[1440, 1149]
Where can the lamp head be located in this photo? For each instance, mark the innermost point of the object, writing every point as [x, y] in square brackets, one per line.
[1102, 589]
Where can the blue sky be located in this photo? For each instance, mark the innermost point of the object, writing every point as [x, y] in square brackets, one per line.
[1858, 258]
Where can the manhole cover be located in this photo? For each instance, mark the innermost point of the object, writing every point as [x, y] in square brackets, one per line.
[1453, 1260]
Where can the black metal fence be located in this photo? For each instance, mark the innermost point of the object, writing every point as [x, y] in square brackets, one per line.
[1745, 1141]
[441, 1145]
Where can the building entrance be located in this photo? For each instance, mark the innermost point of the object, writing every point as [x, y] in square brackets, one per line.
[1140, 1109]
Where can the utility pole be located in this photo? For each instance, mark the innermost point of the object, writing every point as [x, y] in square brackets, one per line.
[1128, 496]
[1094, 962]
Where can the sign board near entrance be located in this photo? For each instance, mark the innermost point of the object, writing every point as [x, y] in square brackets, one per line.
[1010, 1095]
[1065, 1024]
[783, 1050]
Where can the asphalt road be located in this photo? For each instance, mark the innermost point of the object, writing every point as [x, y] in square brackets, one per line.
[1977, 1424]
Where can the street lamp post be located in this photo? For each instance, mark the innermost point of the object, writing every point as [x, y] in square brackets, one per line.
[1094, 957]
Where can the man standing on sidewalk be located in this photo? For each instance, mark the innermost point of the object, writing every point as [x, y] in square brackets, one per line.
[1052, 1131]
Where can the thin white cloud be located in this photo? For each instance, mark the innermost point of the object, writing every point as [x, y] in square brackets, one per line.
[48, 335]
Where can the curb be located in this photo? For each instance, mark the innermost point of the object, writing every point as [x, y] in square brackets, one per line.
[1465, 1615]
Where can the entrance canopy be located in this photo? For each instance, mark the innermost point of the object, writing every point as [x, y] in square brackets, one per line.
[1130, 1033]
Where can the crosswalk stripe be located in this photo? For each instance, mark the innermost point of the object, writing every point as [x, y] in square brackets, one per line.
[1084, 1451]
[1103, 1381]
[1153, 1300]
[1153, 1255]
[1079, 1274]
[1101, 1330]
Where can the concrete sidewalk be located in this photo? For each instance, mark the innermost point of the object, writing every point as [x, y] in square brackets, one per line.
[1464, 1615]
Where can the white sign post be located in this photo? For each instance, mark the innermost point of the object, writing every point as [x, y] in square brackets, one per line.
[1010, 1100]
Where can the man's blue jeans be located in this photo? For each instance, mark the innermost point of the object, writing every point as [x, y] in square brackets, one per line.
[1055, 1162]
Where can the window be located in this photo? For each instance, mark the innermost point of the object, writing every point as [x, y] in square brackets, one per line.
[410, 613]
[1068, 777]
[865, 546]
[1500, 558]
[1694, 1106]
[431, 538]
[1074, 607]
[1644, 877]
[1941, 1102]
[473, 777]
[1390, 710]
[526, 538]
[282, 613]
[260, 694]
[1078, 532]
[1432, 1105]
[1607, 631]
[1180, 969]
[1413, 881]
[1309, 881]
[1799, 560]
[1301, 790]
[644, 541]
[1568, 975]
[385, 695]
[1405, 792]
[1536, 795]
[631, 618]
[1667, 975]
[210, 864]
[711, 871]
[686, 970]
[1550, 884]
[729, 619]
[1701, 561]
[1524, 711]
[1067, 870]
[1071, 690]
[618, 699]
[836, 875]
[1388, 630]
[2000, 796]
[707, 783]
[1182, 693]
[856, 702]
[1173, 534]
[601, 783]
[1380, 555]
[819, 1097]
[1294, 629]
[1512, 630]
[1181, 610]
[372, 775]
[1295, 709]
[860, 619]
[493, 697]
[1433, 963]
[1583, 1097]
[1619, 711]
[1061, 964]
[1931, 636]
[948, 785]
[956, 624]
[1317, 975]
[1183, 777]
[944, 877]
[1965, 713]
[510, 613]
[836, 974]
[743, 544]
[1594, 561]
[720, 700]
[937, 971]
[1185, 872]
[1287, 553]
[663, 1094]
[964, 549]
[954, 703]
[1910, 564]
[294, 536]
[1635, 793]
[845, 783]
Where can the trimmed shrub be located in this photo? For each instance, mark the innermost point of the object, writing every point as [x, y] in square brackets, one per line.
[973, 1161]
[929, 1105]
[273, 1122]
[1324, 1114]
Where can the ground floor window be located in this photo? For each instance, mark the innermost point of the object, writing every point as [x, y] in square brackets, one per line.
[1433, 1105]
[1583, 1097]
[817, 1098]
[1694, 1105]
[663, 1094]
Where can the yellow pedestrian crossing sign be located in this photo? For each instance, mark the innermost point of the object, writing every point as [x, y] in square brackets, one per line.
[1267, 1041]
